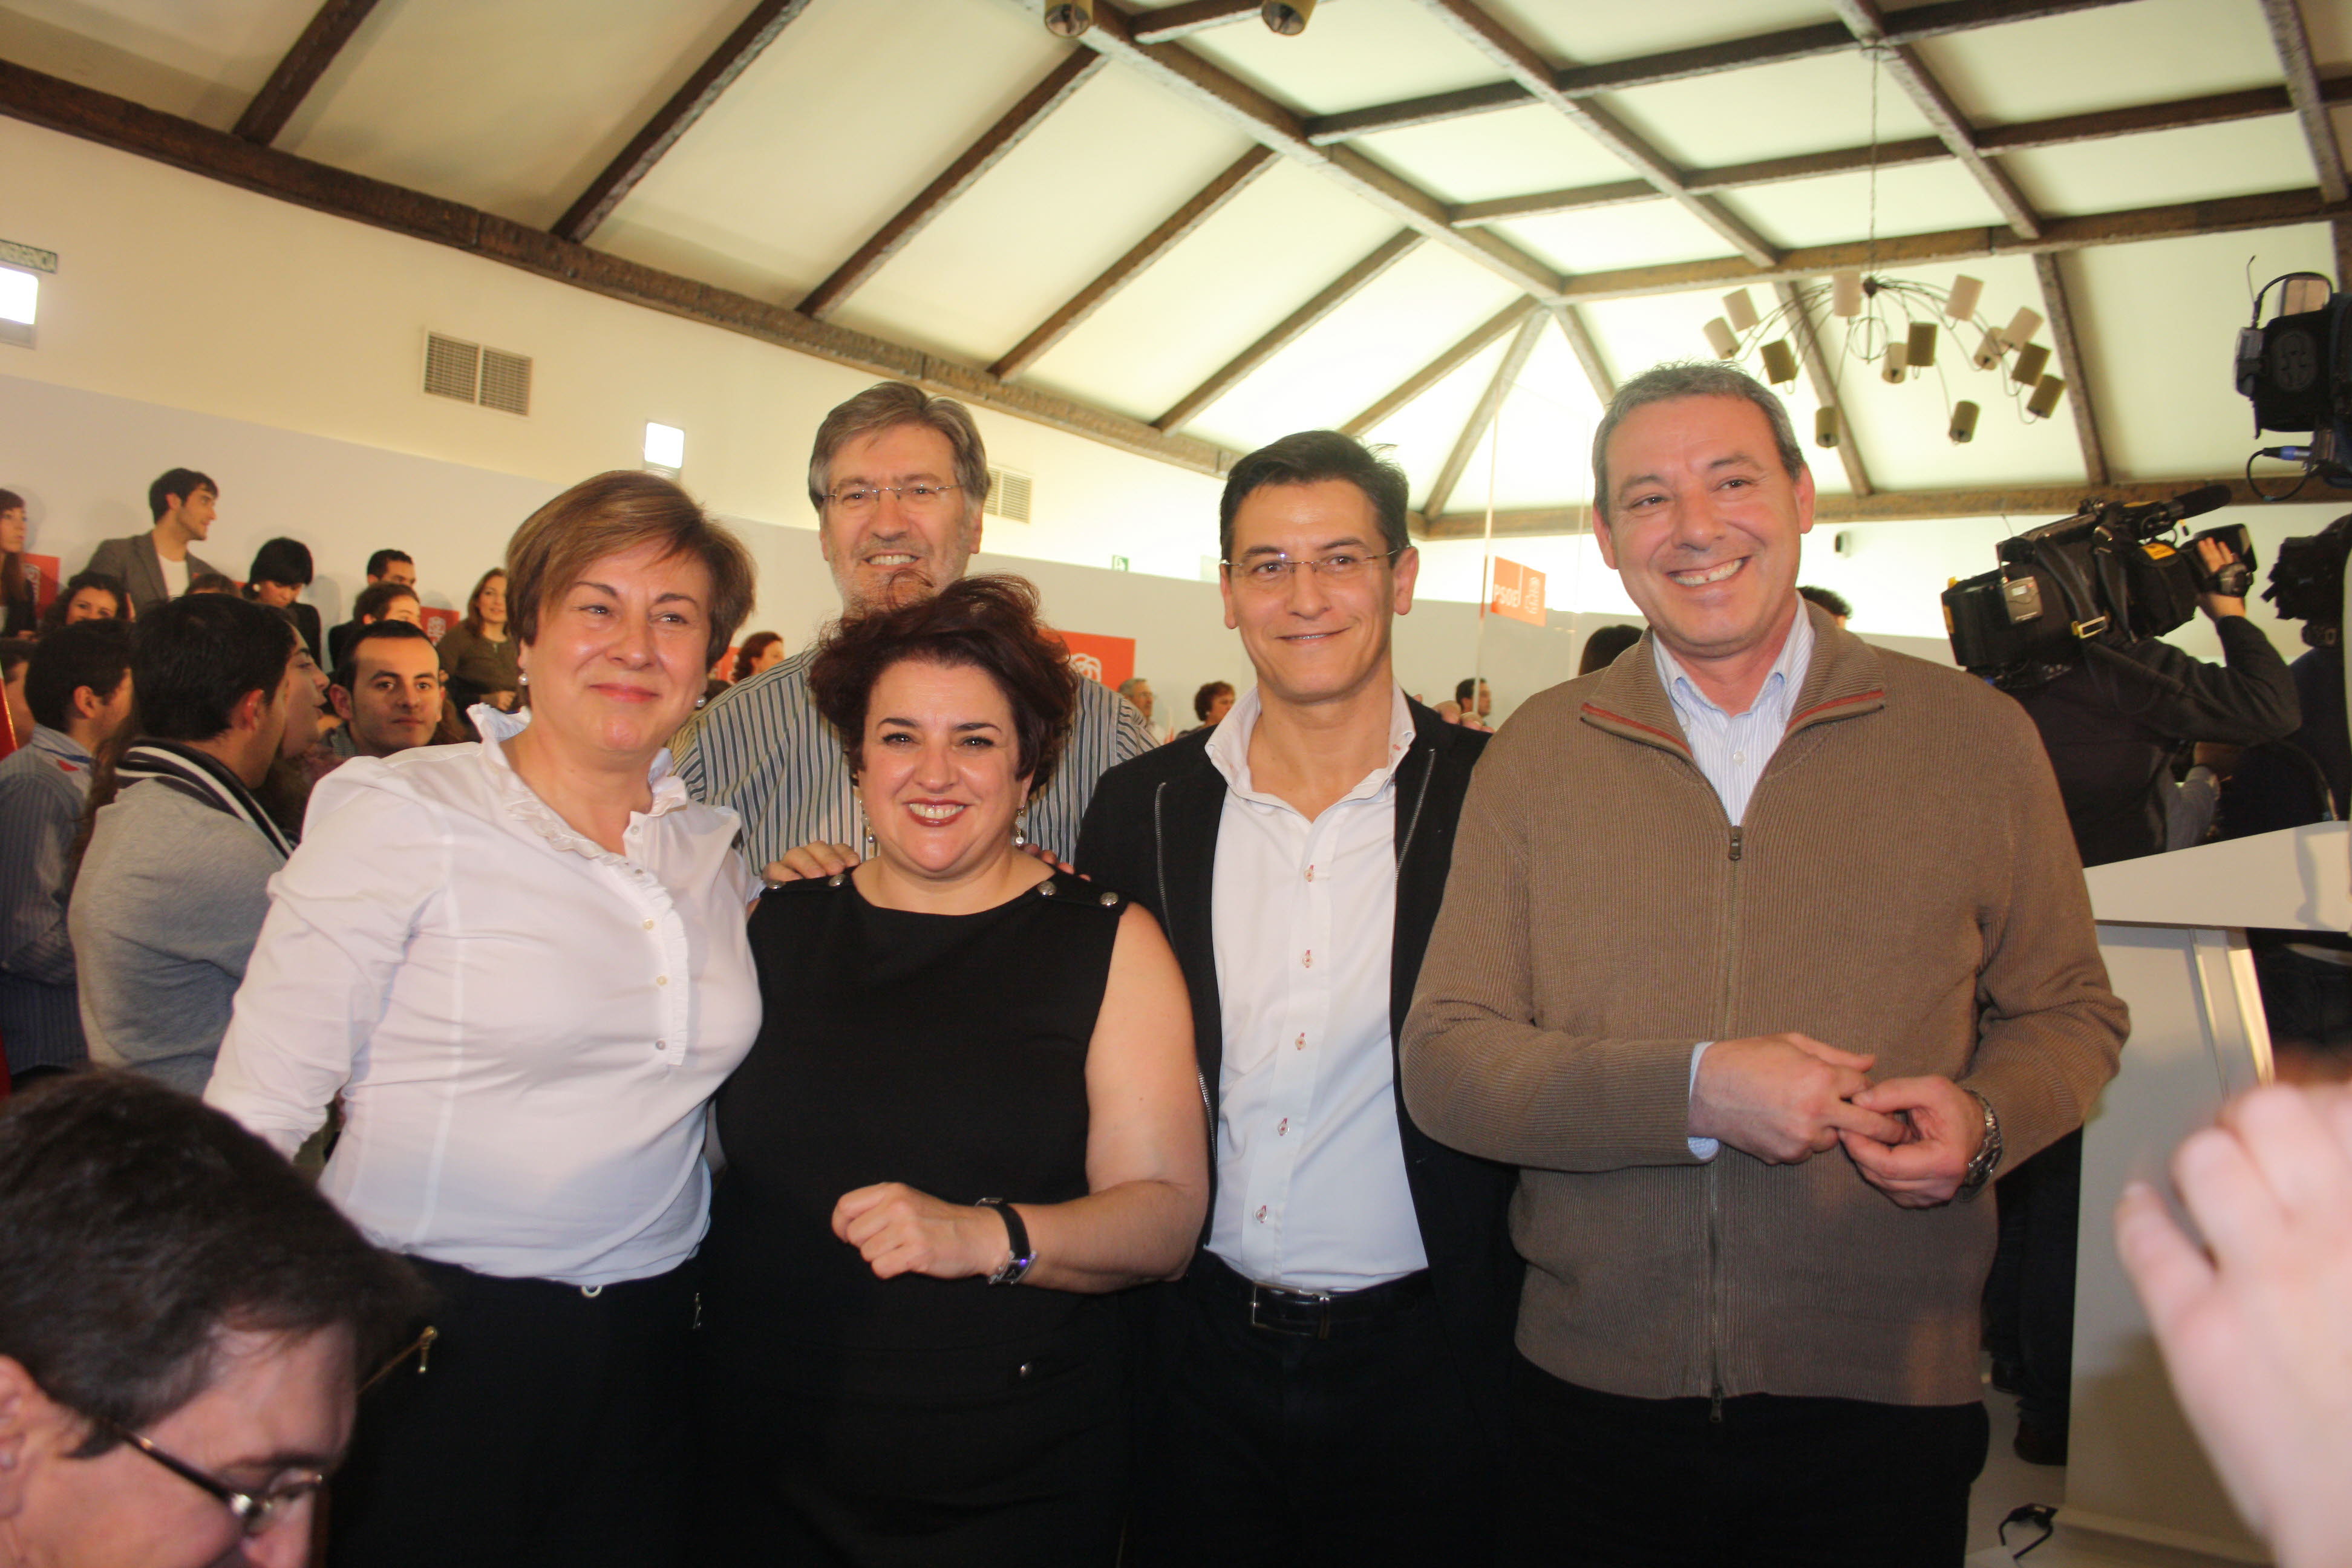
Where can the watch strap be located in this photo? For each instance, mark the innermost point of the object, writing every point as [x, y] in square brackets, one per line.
[1989, 1151]
[1017, 1233]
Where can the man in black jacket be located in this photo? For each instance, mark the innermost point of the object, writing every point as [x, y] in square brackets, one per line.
[1324, 1385]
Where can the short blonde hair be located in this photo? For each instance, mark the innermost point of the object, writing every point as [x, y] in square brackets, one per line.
[610, 515]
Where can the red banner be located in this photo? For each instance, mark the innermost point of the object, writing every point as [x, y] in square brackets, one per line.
[1107, 659]
[439, 622]
[43, 572]
[1518, 592]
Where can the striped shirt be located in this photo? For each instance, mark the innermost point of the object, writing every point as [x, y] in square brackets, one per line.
[763, 749]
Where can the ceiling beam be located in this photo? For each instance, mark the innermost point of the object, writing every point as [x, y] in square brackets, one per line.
[2177, 114]
[1467, 349]
[2342, 233]
[1516, 55]
[1290, 329]
[330, 29]
[1073, 72]
[654, 139]
[2022, 501]
[1172, 22]
[103, 117]
[2068, 348]
[1203, 83]
[1587, 352]
[2233, 215]
[1864, 20]
[1909, 26]
[1825, 385]
[2293, 44]
[1482, 416]
[1211, 198]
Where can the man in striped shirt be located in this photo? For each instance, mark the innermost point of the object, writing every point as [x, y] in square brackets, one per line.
[898, 479]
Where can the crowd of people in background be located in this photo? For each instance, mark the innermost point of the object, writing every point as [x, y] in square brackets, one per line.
[894, 1101]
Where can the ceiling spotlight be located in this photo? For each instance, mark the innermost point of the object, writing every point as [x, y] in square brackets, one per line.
[1068, 18]
[1287, 18]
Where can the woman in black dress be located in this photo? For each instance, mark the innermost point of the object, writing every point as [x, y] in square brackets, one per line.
[970, 1114]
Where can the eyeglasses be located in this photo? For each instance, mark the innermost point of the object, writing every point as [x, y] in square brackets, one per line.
[855, 499]
[254, 1513]
[1274, 572]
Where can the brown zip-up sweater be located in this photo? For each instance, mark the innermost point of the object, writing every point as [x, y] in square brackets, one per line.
[1903, 884]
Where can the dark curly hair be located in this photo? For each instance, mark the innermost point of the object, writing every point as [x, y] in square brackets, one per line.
[988, 624]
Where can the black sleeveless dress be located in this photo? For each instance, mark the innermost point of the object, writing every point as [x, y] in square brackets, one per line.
[856, 1420]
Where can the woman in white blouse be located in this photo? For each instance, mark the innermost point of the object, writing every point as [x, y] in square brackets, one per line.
[523, 965]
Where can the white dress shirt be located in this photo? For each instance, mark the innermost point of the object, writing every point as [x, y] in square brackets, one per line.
[1731, 749]
[1311, 1190]
[525, 1028]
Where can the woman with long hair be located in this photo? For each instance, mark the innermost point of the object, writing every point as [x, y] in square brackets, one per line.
[18, 608]
[480, 659]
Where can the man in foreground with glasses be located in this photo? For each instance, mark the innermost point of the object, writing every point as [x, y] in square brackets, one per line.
[182, 1324]
[1325, 1384]
[898, 479]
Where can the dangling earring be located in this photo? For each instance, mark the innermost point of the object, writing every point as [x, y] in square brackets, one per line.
[1021, 827]
[867, 829]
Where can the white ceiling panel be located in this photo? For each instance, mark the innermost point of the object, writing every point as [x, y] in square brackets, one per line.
[1588, 34]
[1421, 433]
[1799, 106]
[1354, 53]
[1404, 319]
[1917, 198]
[2329, 24]
[513, 106]
[823, 139]
[1270, 250]
[1602, 238]
[203, 59]
[2205, 163]
[1067, 203]
[2144, 52]
[1540, 450]
[1508, 154]
[2158, 322]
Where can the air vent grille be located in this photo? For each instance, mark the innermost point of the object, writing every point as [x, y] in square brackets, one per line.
[506, 381]
[1009, 494]
[472, 373]
[451, 368]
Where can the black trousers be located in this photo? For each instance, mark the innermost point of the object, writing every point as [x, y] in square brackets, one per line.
[547, 1426]
[2030, 1294]
[1600, 1480]
[1260, 1448]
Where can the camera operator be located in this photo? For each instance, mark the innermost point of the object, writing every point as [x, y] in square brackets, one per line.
[2112, 721]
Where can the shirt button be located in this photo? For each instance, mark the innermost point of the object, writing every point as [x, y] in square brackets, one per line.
[1261, 1213]
[1311, 873]
[1739, 756]
[649, 925]
[661, 979]
[1283, 1130]
[1300, 1044]
[1308, 962]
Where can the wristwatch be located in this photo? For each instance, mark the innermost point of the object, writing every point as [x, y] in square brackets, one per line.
[1980, 1169]
[1018, 1264]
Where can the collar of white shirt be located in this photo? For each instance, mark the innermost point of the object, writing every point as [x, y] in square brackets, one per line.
[522, 802]
[1781, 682]
[1229, 747]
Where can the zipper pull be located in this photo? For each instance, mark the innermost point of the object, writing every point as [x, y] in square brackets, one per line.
[697, 1312]
[424, 1349]
[1735, 843]
[1714, 1407]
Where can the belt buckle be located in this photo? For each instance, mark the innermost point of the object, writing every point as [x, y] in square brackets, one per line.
[1321, 1300]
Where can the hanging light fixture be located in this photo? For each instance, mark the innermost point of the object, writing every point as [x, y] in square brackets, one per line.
[1069, 18]
[1894, 325]
[1288, 17]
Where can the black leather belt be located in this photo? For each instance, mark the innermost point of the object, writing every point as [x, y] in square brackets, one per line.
[1312, 1314]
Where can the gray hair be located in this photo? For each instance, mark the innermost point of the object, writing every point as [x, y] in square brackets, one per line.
[885, 406]
[1690, 378]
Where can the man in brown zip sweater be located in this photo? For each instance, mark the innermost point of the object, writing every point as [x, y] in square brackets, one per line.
[1762, 949]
